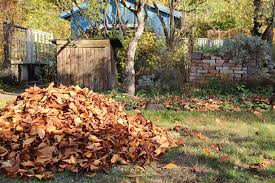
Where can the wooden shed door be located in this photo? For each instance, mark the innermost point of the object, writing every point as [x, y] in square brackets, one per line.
[86, 63]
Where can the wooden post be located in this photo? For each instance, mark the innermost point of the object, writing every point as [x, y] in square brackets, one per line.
[6, 44]
[29, 45]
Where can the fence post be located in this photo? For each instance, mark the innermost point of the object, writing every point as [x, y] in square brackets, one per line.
[29, 45]
[6, 44]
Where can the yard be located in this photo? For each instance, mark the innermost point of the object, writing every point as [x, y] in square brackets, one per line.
[218, 147]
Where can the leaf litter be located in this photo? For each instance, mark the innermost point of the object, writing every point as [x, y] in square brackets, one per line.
[47, 130]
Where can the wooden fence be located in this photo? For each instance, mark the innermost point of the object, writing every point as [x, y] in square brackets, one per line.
[26, 51]
[87, 63]
[205, 42]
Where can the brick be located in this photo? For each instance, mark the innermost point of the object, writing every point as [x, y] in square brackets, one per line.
[192, 78]
[226, 71]
[219, 68]
[237, 75]
[214, 57]
[229, 65]
[202, 71]
[193, 69]
[219, 61]
[244, 68]
[195, 64]
[225, 68]
[233, 62]
[197, 55]
[210, 74]
[236, 68]
[209, 61]
[216, 64]
[205, 66]
[239, 72]
[196, 61]
[214, 71]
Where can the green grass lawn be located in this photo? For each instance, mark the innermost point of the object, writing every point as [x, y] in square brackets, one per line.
[223, 147]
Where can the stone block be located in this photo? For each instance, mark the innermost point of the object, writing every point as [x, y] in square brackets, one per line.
[239, 72]
[215, 57]
[251, 70]
[226, 71]
[197, 55]
[237, 75]
[236, 68]
[225, 68]
[220, 61]
[196, 61]
[193, 74]
[232, 62]
[202, 71]
[209, 61]
[192, 78]
[264, 70]
[244, 68]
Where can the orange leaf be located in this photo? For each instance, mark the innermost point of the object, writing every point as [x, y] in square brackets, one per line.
[117, 159]
[206, 150]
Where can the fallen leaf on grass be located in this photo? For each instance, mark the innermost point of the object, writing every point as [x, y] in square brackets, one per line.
[180, 142]
[206, 150]
[224, 158]
[170, 166]
[117, 159]
[133, 175]
[90, 175]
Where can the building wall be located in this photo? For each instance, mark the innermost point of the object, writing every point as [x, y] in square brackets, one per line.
[206, 66]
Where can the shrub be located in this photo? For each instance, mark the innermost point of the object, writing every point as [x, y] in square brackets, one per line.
[245, 48]
[158, 68]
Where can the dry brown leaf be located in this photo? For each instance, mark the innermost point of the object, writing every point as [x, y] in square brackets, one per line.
[74, 129]
[3, 151]
[41, 132]
[117, 159]
[224, 158]
[28, 141]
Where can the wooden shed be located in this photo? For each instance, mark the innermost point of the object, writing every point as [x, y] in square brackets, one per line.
[87, 63]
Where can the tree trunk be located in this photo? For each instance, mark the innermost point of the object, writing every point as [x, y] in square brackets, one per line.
[256, 24]
[130, 69]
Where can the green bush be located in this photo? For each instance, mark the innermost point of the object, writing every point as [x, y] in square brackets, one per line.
[226, 89]
[245, 48]
[159, 70]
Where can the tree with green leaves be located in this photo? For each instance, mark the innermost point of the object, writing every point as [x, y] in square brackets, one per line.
[263, 20]
[130, 61]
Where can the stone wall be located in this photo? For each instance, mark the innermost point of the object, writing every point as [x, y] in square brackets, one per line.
[206, 66]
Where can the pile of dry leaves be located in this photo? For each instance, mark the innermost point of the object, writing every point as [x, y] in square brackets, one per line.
[57, 128]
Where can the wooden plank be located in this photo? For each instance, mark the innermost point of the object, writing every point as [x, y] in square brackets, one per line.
[72, 57]
[80, 66]
[85, 43]
[59, 66]
[108, 67]
[91, 63]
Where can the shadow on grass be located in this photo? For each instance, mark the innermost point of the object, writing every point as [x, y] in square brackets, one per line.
[220, 171]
